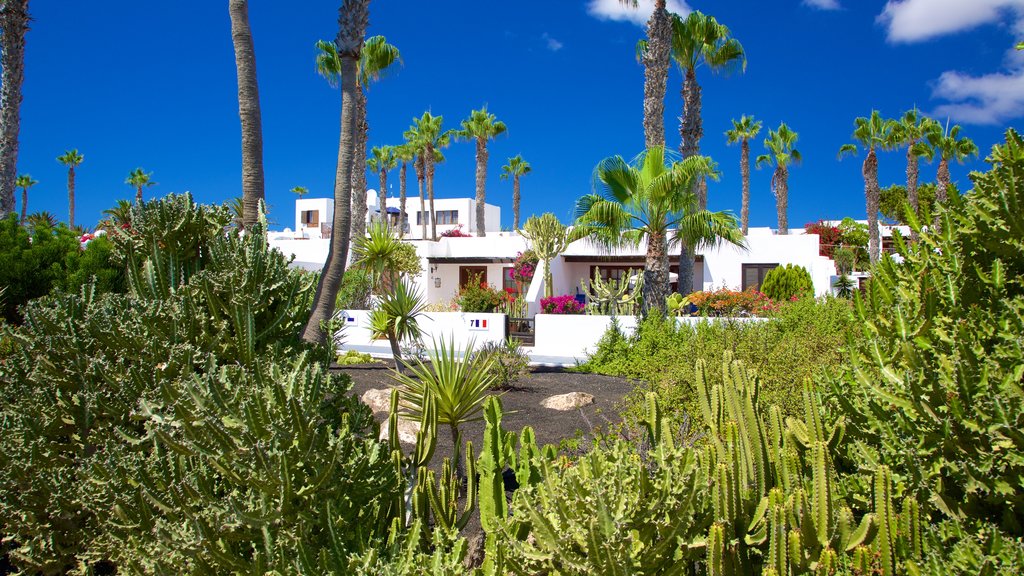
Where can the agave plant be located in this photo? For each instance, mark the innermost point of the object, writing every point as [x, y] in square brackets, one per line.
[457, 384]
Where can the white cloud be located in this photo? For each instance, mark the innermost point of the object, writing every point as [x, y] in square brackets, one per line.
[617, 10]
[823, 4]
[989, 99]
[916, 20]
[552, 44]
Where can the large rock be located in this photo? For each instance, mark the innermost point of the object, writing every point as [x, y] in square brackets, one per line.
[378, 399]
[566, 402]
[407, 430]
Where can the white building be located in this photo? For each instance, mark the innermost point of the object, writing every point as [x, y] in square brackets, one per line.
[450, 263]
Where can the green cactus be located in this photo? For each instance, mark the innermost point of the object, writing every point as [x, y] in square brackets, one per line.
[613, 297]
[716, 550]
[677, 304]
[885, 516]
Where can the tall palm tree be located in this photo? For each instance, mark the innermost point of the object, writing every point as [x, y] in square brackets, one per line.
[430, 138]
[414, 142]
[404, 153]
[948, 145]
[654, 55]
[743, 131]
[382, 159]
[644, 202]
[480, 127]
[71, 159]
[353, 18]
[515, 168]
[139, 179]
[911, 132]
[375, 57]
[781, 146]
[13, 26]
[700, 39]
[871, 133]
[248, 112]
[24, 181]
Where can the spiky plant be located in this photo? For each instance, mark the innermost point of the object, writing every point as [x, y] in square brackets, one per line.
[548, 238]
[480, 127]
[781, 146]
[516, 168]
[397, 318]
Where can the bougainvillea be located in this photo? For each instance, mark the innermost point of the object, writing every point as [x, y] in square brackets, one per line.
[524, 267]
[829, 237]
[726, 302]
[564, 304]
[456, 232]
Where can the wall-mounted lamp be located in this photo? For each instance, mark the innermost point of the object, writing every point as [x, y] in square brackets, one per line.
[433, 268]
[437, 282]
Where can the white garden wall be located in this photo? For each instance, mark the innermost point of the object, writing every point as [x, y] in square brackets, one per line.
[459, 327]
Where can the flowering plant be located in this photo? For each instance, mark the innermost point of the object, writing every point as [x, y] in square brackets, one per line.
[829, 237]
[455, 233]
[479, 296]
[726, 302]
[524, 267]
[564, 304]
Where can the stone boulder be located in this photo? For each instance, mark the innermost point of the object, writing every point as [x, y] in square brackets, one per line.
[378, 399]
[566, 402]
[407, 430]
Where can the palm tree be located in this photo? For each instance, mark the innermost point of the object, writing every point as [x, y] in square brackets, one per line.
[120, 214]
[430, 139]
[781, 146]
[375, 57]
[353, 18]
[872, 133]
[700, 39]
[382, 159]
[248, 112]
[653, 53]
[414, 143]
[299, 191]
[644, 202]
[949, 146]
[24, 181]
[515, 168]
[481, 126]
[41, 220]
[139, 179]
[743, 131]
[14, 20]
[71, 159]
[911, 131]
[405, 154]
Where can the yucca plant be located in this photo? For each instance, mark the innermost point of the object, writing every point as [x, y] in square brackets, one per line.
[397, 318]
[458, 382]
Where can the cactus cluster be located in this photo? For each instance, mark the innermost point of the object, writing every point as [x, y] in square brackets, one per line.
[613, 297]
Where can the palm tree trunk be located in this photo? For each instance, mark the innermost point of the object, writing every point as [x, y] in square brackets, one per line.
[24, 205]
[71, 196]
[655, 274]
[352, 21]
[481, 183]
[871, 193]
[691, 130]
[382, 196]
[745, 173]
[429, 168]
[13, 26]
[515, 202]
[782, 198]
[358, 225]
[138, 195]
[941, 189]
[656, 63]
[912, 187]
[401, 200]
[423, 203]
[684, 278]
[248, 112]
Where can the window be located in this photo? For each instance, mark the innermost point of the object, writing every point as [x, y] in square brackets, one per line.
[753, 275]
[447, 216]
[508, 284]
[422, 218]
[311, 218]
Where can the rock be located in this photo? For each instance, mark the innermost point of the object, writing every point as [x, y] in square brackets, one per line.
[566, 402]
[378, 399]
[407, 430]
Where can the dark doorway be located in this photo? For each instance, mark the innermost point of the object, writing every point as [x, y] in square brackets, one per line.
[468, 273]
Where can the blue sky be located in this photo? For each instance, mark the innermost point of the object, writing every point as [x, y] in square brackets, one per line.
[152, 85]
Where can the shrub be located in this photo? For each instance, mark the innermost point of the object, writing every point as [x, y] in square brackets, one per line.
[934, 387]
[33, 261]
[845, 259]
[509, 362]
[787, 282]
[829, 237]
[350, 357]
[565, 304]
[355, 292]
[726, 302]
[96, 264]
[478, 296]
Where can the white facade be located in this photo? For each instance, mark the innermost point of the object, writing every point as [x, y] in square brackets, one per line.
[313, 217]
[450, 213]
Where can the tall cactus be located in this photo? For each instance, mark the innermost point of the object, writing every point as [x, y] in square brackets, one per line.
[613, 297]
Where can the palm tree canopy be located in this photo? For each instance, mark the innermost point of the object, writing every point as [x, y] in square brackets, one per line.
[746, 128]
[516, 167]
[634, 201]
[427, 130]
[25, 181]
[140, 177]
[871, 132]
[781, 146]
[949, 146]
[481, 124]
[300, 191]
[71, 158]
[404, 152]
[382, 158]
[699, 38]
[375, 57]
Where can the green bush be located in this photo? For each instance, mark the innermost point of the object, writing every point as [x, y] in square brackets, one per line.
[96, 264]
[351, 357]
[934, 385]
[787, 282]
[33, 262]
[479, 296]
[800, 341]
[356, 289]
[508, 361]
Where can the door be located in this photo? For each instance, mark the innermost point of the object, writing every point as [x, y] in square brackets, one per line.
[468, 273]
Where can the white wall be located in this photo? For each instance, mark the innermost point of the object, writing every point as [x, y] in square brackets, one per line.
[325, 209]
[459, 326]
[723, 265]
